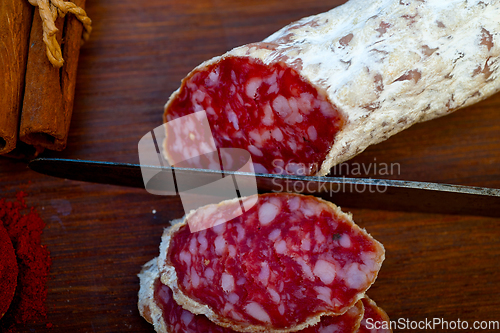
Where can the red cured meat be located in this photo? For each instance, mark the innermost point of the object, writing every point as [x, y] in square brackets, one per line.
[375, 320]
[284, 122]
[179, 320]
[287, 261]
[348, 322]
[174, 319]
[322, 89]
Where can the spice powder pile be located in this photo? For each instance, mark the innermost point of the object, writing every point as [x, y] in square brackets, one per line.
[24, 228]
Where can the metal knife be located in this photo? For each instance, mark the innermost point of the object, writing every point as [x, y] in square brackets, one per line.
[346, 192]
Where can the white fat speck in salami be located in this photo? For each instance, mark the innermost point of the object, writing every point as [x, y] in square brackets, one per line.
[227, 282]
[327, 86]
[257, 311]
[325, 271]
[290, 268]
[267, 213]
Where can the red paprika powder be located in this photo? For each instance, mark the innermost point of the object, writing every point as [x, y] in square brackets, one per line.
[24, 227]
[8, 271]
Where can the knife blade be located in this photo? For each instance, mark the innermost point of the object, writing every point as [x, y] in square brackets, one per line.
[367, 193]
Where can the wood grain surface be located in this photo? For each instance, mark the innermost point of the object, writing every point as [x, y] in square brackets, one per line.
[437, 266]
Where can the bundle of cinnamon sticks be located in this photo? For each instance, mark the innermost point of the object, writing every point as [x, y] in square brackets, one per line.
[36, 97]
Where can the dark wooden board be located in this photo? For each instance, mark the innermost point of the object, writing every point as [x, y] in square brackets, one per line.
[437, 266]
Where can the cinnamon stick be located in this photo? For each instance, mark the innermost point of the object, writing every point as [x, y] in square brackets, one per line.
[49, 94]
[71, 53]
[15, 27]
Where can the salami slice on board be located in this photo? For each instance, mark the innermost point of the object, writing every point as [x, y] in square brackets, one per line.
[157, 305]
[279, 267]
[375, 320]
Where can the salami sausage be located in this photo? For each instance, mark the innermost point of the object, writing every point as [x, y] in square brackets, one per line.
[279, 267]
[156, 304]
[350, 321]
[322, 89]
[158, 307]
[375, 320]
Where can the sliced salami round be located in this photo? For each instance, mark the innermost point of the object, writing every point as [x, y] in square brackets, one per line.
[375, 320]
[322, 89]
[279, 267]
[158, 307]
[350, 321]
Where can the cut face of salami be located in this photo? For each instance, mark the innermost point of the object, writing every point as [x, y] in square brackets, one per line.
[270, 111]
[279, 267]
[179, 320]
[199, 323]
[375, 320]
[321, 90]
[157, 300]
[348, 322]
